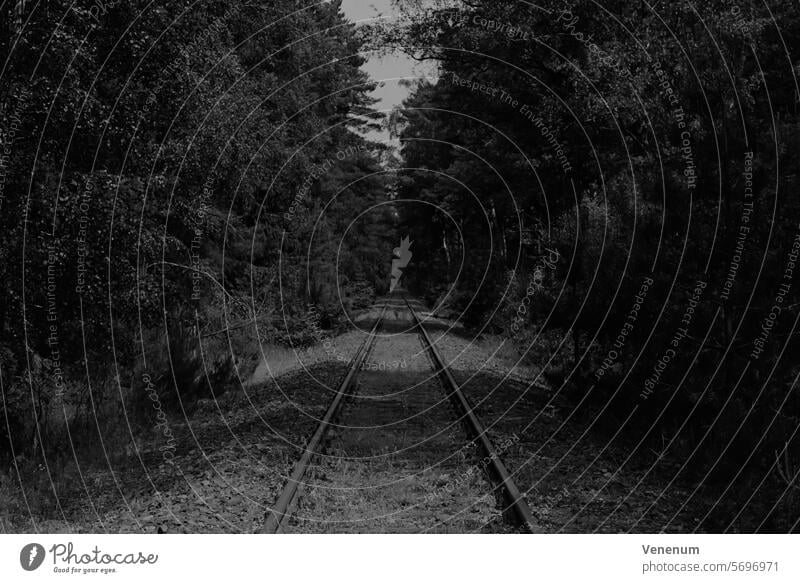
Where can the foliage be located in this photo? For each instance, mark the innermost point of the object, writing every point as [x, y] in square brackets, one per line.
[164, 176]
[629, 138]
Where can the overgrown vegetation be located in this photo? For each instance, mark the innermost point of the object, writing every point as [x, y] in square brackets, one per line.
[611, 187]
[180, 183]
[624, 174]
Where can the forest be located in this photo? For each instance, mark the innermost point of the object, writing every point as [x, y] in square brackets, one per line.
[611, 187]
[164, 168]
[614, 188]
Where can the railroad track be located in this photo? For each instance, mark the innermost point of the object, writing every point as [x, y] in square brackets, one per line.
[389, 406]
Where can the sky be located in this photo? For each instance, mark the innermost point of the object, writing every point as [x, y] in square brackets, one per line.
[389, 69]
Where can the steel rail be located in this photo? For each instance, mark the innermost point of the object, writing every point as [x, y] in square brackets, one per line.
[282, 509]
[516, 501]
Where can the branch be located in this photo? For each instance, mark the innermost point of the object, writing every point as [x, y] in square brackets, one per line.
[231, 329]
[209, 276]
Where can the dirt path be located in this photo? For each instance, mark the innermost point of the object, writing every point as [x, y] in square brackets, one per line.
[398, 463]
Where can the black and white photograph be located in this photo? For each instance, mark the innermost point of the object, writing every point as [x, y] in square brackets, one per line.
[431, 268]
